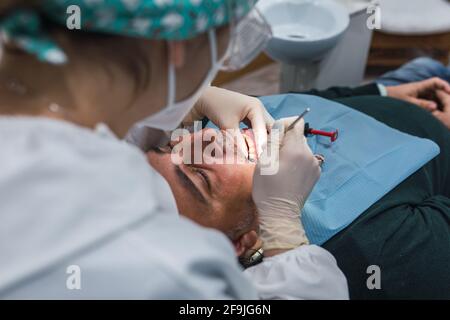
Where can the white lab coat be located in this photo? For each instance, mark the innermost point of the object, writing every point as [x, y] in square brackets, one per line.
[308, 272]
[74, 199]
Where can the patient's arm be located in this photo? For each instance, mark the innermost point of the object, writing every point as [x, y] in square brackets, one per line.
[424, 94]
[431, 94]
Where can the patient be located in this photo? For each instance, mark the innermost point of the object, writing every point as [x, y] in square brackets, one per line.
[406, 232]
[218, 196]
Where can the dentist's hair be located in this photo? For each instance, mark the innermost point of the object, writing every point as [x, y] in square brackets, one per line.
[6, 5]
[109, 61]
[9, 5]
[103, 50]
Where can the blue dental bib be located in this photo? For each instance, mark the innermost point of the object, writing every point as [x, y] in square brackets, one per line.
[367, 161]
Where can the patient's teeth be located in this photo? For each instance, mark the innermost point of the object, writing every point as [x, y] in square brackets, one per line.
[248, 135]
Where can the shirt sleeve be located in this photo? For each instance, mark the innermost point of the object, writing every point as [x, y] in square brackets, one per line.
[371, 89]
[383, 90]
[308, 272]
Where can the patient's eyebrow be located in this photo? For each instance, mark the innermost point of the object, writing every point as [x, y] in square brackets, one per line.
[188, 184]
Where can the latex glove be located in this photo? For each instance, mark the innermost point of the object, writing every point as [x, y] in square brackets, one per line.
[226, 109]
[421, 93]
[281, 196]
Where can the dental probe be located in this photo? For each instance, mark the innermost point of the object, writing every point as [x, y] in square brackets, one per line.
[310, 131]
[298, 119]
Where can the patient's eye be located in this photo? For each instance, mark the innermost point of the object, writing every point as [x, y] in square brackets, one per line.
[202, 174]
[163, 150]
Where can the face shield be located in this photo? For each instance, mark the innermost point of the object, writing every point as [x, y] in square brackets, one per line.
[248, 37]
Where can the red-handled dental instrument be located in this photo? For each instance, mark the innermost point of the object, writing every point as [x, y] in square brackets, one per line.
[310, 131]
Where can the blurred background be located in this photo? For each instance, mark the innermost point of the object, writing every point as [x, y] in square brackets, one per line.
[379, 36]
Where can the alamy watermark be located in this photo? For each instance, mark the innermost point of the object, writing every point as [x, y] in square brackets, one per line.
[73, 21]
[73, 281]
[374, 280]
[224, 147]
[374, 19]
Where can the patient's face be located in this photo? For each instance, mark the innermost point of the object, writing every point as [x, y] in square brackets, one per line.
[214, 195]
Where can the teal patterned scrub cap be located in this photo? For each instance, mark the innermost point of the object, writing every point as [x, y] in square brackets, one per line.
[151, 19]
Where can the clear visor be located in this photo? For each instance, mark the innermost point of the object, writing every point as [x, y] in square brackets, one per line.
[247, 39]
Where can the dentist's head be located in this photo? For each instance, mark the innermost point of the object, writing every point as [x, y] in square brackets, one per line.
[130, 61]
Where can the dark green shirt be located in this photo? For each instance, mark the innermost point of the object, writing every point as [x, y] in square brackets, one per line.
[406, 233]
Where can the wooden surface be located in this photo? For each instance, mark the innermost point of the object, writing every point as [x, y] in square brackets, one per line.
[392, 50]
[224, 77]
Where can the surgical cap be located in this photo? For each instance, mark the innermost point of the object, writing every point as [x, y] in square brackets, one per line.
[151, 19]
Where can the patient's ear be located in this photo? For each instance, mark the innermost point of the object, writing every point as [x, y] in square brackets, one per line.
[245, 242]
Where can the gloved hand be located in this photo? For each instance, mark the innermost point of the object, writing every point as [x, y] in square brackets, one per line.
[280, 197]
[226, 109]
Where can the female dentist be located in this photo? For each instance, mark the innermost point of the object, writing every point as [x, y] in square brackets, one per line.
[82, 215]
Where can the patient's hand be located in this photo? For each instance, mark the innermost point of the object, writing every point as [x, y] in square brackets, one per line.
[422, 93]
[443, 114]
